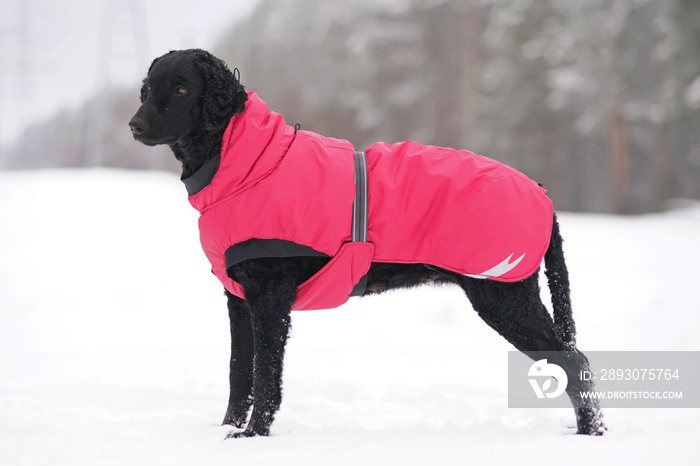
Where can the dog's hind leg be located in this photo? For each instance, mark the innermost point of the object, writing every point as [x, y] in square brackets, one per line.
[558, 280]
[516, 311]
[241, 367]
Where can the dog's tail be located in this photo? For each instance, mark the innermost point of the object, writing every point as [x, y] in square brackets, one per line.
[558, 279]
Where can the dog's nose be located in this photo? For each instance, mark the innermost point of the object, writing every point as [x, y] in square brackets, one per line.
[138, 125]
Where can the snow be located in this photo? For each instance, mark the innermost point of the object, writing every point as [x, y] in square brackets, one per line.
[114, 344]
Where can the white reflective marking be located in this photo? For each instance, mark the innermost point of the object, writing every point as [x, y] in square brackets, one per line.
[501, 269]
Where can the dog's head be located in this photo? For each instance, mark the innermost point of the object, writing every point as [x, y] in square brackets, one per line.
[186, 92]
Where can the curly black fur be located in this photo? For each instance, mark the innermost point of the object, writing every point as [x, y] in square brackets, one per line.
[558, 280]
[188, 98]
[191, 123]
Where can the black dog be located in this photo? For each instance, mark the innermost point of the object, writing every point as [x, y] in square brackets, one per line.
[188, 98]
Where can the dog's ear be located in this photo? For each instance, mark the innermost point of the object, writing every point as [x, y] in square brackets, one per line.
[224, 95]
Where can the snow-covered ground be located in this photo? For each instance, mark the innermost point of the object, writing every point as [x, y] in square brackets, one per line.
[114, 344]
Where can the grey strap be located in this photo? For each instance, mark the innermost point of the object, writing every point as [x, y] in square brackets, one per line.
[359, 214]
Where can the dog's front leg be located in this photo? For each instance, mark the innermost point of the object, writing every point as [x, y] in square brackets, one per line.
[270, 297]
[241, 367]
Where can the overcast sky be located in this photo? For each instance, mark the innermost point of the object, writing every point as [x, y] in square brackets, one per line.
[56, 53]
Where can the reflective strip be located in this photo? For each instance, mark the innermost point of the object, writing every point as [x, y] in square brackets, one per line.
[359, 214]
[501, 269]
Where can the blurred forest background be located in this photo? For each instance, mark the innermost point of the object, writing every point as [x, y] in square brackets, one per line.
[599, 100]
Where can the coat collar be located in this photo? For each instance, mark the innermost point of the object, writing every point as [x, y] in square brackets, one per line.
[252, 147]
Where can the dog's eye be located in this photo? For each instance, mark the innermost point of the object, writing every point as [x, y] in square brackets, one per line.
[179, 90]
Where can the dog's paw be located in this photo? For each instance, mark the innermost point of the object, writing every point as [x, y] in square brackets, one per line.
[253, 430]
[593, 432]
[245, 434]
[235, 421]
[591, 425]
[237, 413]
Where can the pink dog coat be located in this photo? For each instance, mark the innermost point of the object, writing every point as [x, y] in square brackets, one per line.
[275, 192]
